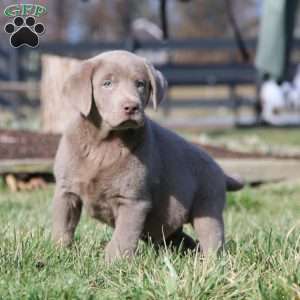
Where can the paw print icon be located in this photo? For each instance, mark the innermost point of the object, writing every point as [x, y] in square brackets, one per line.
[24, 32]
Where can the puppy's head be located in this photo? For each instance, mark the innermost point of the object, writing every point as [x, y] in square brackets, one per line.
[120, 84]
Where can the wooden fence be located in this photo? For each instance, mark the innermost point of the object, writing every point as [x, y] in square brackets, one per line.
[23, 65]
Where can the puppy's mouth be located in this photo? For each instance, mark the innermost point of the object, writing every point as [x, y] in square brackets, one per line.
[130, 124]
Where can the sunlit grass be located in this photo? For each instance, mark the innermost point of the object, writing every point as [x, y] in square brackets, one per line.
[261, 258]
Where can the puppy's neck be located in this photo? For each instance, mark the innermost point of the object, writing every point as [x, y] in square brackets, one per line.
[129, 138]
[104, 149]
[96, 132]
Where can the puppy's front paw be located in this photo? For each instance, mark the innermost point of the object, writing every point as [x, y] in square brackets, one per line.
[113, 252]
[62, 240]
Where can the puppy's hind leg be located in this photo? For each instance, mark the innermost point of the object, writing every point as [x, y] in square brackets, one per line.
[208, 223]
[66, 213]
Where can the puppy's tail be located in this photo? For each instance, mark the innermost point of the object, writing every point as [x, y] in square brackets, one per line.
[233, 184]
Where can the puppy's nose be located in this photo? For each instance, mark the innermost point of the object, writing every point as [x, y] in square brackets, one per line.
[130, 108]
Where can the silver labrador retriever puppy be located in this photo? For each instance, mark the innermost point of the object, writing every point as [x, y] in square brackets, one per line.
[126, 170]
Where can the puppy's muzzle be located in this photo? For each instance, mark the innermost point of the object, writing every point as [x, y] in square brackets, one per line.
[131, 108]
[131, 114]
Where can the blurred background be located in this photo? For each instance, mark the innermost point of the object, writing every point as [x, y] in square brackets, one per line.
[205, 49]
[201, 63]
[197, 47]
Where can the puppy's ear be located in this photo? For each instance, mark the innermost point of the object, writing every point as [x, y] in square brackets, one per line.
[78, 89]
[159, 85]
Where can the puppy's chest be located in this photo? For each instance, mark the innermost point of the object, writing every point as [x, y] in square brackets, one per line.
[104, 188]
[100, 195]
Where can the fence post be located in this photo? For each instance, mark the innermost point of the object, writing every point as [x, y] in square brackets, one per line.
[14, 64]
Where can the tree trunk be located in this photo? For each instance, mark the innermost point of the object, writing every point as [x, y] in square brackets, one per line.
[56, 111]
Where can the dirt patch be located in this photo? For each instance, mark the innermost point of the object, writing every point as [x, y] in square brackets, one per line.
[19, 144]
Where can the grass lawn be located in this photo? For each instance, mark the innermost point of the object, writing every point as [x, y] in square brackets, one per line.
[276, 141]
[261, 258]
[271, 136]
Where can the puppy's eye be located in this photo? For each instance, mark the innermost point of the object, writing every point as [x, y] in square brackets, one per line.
[140, 84]
[107, 83]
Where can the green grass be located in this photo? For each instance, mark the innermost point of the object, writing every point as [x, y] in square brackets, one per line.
[270, 136]
[261, 259]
